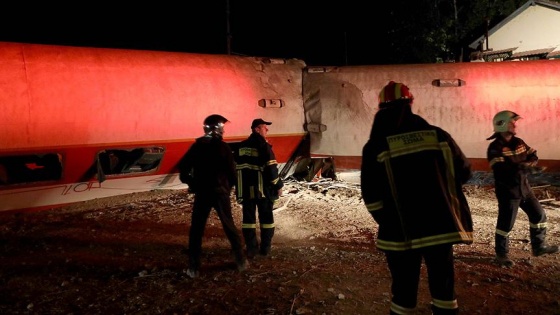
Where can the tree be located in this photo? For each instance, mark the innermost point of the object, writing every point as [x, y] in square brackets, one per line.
[426, 31]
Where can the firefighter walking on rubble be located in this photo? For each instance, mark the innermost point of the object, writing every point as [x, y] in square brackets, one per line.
[258, 187]
[511, 160]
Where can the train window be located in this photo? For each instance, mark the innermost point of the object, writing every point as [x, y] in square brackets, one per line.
[30, 168]
[129, 161]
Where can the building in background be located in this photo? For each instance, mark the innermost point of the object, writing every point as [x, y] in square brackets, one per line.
[531, 32]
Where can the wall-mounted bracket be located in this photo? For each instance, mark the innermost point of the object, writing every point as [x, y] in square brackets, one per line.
[271, 103]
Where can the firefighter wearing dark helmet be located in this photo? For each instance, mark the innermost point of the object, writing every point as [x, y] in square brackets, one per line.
[208, 168]
[512, 160]
[411, 180]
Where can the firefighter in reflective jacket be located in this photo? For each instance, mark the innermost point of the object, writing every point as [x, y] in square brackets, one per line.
[512, 160]
[411, 180]
[258, 187]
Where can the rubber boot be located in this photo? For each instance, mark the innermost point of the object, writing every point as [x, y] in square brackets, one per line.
[251, 242]
[266, 240]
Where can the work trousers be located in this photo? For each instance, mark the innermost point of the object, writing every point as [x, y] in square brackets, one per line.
[202, 206]
[405, 267]
[507, 213]
[249, 228]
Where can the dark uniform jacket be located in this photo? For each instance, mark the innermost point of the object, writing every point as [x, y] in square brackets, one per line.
[208, 167]
[257, 170]
[511, 162]
[411, 180]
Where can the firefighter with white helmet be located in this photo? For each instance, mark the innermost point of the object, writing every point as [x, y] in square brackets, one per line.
[512, 160]
[411, 180]
[501, 122]
[208, 168]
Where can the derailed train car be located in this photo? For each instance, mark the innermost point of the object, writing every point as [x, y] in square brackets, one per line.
[462, 98]
[84, 123]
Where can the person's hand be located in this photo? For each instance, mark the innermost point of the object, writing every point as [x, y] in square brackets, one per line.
[537, 169]
[527, 165]
[279, 192]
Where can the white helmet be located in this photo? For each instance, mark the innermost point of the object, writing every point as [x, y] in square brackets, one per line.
[502, 119]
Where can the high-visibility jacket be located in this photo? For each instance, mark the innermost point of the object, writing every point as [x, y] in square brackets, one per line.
[411, 180]
[511, 162]
[257, 170]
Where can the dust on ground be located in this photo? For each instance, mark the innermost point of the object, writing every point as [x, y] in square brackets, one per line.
[127, 255]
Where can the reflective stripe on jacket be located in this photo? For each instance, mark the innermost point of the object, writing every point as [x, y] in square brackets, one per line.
[257, 169]
[509, 162]
[411, 183]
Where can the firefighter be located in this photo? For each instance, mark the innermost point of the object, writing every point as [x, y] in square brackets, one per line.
[258, 188]
[411, 181]
[208, 168]
[512, 160]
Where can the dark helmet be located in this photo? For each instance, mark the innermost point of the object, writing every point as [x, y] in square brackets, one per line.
[214, 125]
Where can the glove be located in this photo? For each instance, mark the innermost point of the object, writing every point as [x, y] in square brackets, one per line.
[527, 165]
[537, 169]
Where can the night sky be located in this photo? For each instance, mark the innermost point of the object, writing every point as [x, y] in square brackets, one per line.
[327, 35]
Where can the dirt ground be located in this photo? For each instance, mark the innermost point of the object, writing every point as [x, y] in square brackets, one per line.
[127, 255]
